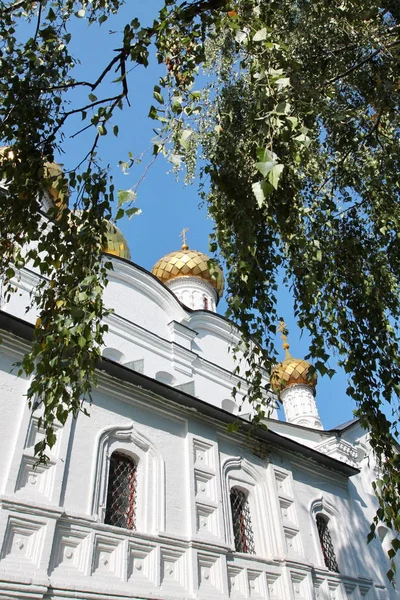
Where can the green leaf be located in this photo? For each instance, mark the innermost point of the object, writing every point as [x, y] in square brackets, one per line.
[134, 211]
[153, 114]
[303, 139]
[275, 174]
[260, 35]
[126, 196]
[282, 108]
[293, 121]
[240, 36]
[175, 159]
[265, 155]
[186, 133]
[261, 190]
[282, 82]
[265, 167]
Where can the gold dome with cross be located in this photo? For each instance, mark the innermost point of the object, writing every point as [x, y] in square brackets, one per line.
[291, 371]
[188, 263]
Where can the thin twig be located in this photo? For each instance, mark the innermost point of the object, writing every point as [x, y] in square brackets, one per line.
[87, 107]
[12, 7]
[361, 63]
[81, 130]
[106, 70]
[353, 206]
[38, 21]
[137, 184]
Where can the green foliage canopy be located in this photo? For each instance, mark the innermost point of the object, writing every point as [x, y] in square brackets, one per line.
[297, 124]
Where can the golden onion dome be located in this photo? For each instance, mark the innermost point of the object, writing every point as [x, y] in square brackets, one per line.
[116, 243]
[291, 371]
[189, 263]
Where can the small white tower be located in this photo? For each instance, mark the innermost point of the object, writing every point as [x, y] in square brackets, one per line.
[294, 381]
[190, 276]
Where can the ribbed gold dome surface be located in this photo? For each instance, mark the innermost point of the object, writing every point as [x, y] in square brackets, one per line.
[116, 243]
[188, 263]
[290, 372]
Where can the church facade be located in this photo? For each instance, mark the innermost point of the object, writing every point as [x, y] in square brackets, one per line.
[151, 496]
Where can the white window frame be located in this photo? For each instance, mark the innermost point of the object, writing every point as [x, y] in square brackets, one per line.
[150, 476]
[331, 515]
[240, 473]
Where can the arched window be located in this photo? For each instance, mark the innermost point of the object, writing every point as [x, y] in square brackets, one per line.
[205, 302]
[325, 539]
[241, 522]
[121, 492]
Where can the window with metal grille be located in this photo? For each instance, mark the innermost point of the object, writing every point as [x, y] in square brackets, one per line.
[326, 543]
[121, 493]
[241, 521]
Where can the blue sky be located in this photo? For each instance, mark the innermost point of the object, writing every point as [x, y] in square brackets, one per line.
[167, 205]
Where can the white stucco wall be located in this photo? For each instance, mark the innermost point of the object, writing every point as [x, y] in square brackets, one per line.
[53, 539]
[52, 533]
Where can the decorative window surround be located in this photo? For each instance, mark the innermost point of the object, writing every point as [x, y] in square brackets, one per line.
[238, 472]
[338, 532]
[150, 510]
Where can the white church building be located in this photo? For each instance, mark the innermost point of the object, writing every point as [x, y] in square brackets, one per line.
[151, 497]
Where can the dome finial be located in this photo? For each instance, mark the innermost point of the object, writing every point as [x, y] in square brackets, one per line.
[183, 236]
[282, 327]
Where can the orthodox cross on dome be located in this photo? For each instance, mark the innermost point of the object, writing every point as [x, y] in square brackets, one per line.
[183, 236]
[282, 328]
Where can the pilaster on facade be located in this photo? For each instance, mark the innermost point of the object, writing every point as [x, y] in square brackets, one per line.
[290, 540]
[205, 490]
[37, 482]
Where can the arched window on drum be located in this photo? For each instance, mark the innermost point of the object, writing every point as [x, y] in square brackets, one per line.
[121, 492]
